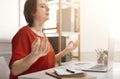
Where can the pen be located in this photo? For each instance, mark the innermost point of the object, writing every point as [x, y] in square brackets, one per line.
[53, 75]
[70, 71]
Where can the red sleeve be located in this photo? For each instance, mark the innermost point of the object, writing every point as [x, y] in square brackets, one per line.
[20, 46]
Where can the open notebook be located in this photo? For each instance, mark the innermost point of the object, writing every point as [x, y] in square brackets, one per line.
[69, 72]
[66, 74]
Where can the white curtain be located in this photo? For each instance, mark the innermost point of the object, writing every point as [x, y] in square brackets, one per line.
[114, 11]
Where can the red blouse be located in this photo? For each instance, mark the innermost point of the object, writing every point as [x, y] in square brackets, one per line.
[21, 47]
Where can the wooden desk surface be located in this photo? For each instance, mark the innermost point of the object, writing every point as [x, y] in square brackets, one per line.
[114, 73]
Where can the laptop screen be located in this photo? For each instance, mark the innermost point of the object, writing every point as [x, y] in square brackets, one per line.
[110, 52]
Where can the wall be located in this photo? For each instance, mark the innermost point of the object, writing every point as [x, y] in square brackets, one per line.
[94, 25]
[9, 24]
[9, 19]
[98, 19]
[115, 26]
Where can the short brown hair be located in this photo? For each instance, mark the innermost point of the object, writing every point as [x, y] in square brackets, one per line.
[29, 10]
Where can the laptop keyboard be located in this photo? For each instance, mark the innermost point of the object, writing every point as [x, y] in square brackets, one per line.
[99, 67]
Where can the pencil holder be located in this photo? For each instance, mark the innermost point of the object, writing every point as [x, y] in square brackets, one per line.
[102, 57]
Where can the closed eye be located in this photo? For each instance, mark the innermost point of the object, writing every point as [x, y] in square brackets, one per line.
[43, 5]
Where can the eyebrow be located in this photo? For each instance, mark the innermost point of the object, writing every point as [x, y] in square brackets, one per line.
[42, 4]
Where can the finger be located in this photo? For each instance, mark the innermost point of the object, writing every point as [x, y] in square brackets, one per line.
[47, 48]
[75, 43]
[72, 45]
[70, 42]
[36, 45]
[37, 42]
[42, 45]
[34, 42]
[36, 48]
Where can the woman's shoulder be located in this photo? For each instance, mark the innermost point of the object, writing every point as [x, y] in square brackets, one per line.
[22, 32]
[24, 29]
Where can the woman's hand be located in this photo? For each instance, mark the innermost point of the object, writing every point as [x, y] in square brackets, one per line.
[40, 47]
[71, 46]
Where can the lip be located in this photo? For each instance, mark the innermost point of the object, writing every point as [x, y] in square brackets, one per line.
[47, 13]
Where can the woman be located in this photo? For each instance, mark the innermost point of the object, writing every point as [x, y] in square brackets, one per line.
[31, 50]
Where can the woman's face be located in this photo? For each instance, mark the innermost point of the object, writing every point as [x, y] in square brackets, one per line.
[42, 11]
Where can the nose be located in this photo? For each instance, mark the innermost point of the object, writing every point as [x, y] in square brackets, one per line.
[47, 8]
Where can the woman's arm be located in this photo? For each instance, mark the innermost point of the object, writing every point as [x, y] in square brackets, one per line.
[39, 49]
[71, 46]
[22, 65]
[61, 54]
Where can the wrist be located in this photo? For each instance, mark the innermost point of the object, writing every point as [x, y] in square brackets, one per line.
[36, 55]
[66, 51]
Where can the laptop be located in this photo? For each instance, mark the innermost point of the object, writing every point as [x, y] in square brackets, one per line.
[92, 67]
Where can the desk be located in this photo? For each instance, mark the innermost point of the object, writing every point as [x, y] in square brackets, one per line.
[114, 73]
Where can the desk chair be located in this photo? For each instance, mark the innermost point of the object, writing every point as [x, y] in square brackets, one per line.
[4, 70]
